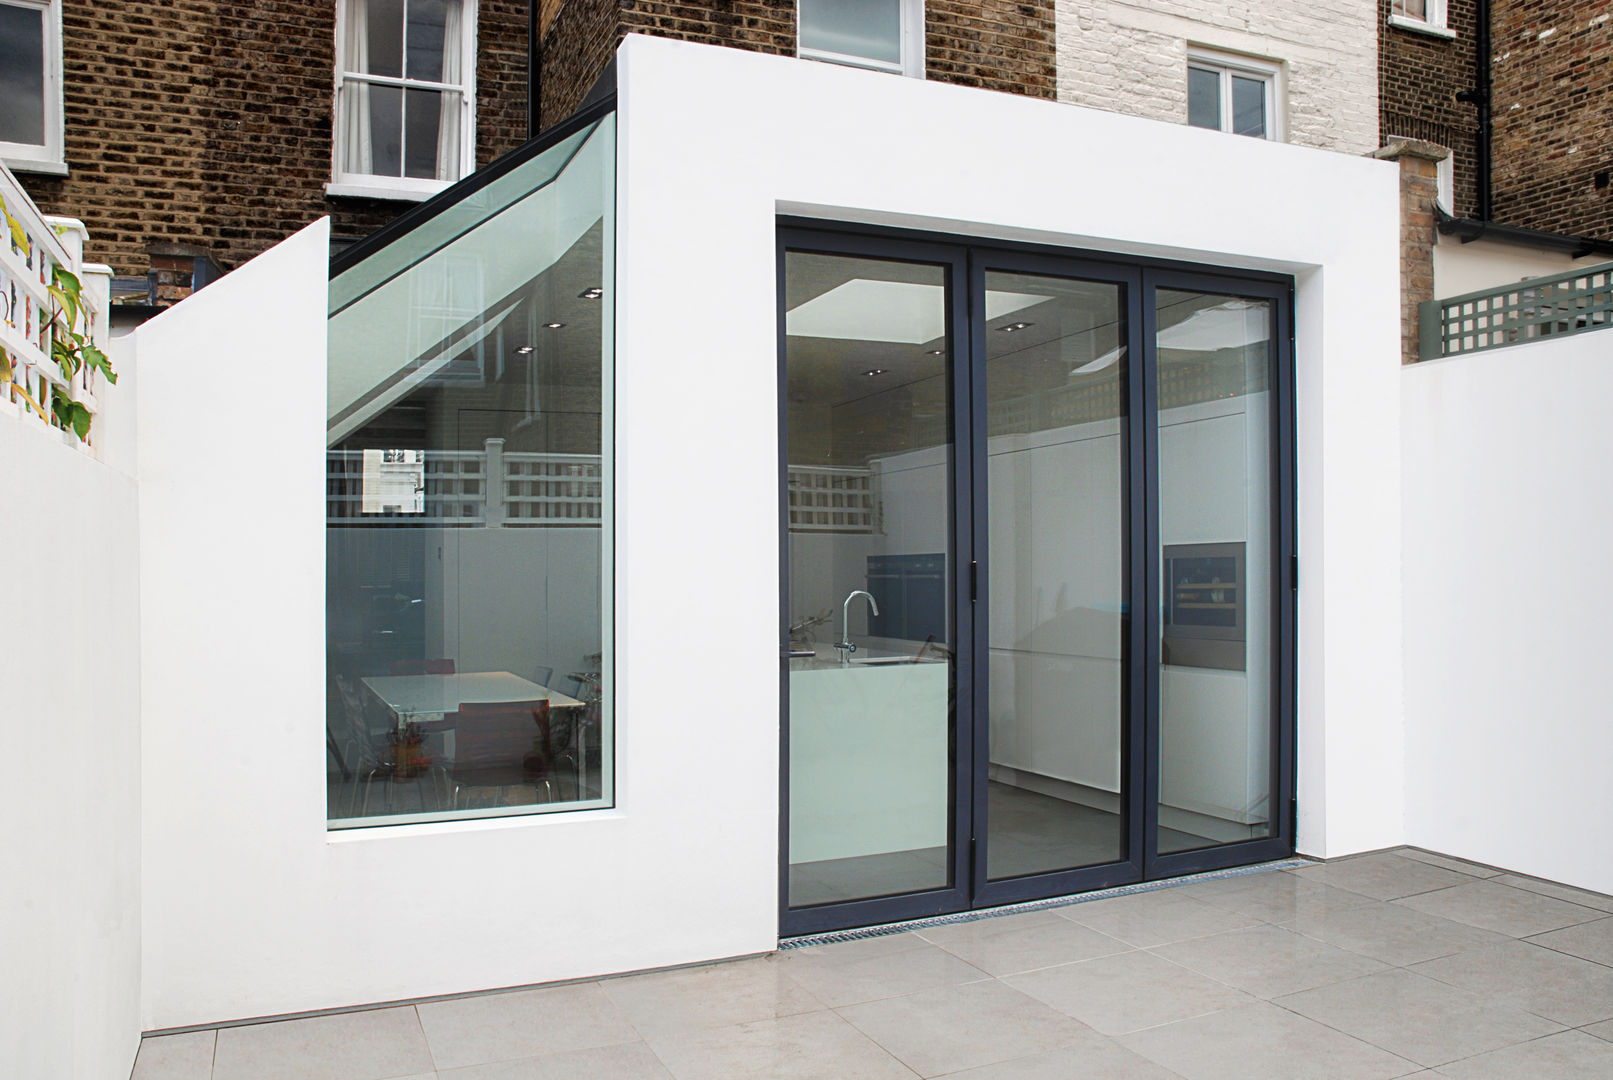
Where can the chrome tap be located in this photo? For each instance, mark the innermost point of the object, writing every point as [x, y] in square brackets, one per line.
[844, 645]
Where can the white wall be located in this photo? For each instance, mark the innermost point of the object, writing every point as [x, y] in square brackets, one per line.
[1132, 58]
[251, 908]
[1506, 511]
[70, 729]
[1485, 264]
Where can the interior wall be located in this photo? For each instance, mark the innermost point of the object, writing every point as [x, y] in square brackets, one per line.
[1508, 743]
[70, 714]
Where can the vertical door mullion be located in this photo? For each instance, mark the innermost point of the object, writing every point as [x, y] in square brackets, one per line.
[975, 354]
[1145, 520]
[1139, 483]
[968, 525]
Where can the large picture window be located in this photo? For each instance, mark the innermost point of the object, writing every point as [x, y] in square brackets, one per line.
[404, 96]
[31, 85]
[468, 503]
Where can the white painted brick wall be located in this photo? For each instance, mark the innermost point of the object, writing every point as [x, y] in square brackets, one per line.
[1132, 58]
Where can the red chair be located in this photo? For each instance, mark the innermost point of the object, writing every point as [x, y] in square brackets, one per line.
[422, 667]
[501, 744]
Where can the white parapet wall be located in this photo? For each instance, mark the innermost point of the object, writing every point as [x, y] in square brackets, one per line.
[1508, 742]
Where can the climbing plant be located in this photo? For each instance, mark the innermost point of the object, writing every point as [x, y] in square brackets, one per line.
[70, 346]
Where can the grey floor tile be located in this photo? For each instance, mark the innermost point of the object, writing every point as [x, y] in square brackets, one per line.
[1274, 897]
[1501, 908]
[1461, 866]
[1154, 918]
[714, 995]
[861, 948]
[1393, 934]
[1418, 1018]
[1603, 1030]
[346, 1046]
[1592, 941]
[1582, 897]
[1568, 1055]
[522, 1024]
[624, 1061]
[1123, 993]
[960, 1027]
[1008, 944]
[845, 978]
[805, 1047]
[1097, 1058]
[1382, 876]
[1263, 1041]
[1268, 961]
[176, 1057]
[1555, 985]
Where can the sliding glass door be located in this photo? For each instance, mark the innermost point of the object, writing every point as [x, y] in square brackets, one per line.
[1036, 636]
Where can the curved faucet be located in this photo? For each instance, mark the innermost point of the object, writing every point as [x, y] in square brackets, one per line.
[844, 645]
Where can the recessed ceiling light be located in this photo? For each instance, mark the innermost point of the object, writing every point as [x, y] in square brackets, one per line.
[935, 352]
[1011, 327]
[592, 294]
[523, 350]
[877, 371]
[553, 325]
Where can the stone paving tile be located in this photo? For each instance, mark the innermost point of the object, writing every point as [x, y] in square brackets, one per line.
[625, 1061]
[1095, 1058]
[1154, 918]
[1263, 1041]
[522, 1023]
[712, 995]
[1501, 908]
[1590, 941]
[1582, 897]
[1603, 1030]
[1461, 866]
[1268, 961]
[1382, 875]
[1129, 991]
[1005, 945]
[1274, 896]
[1393, 934]
[1555, 985]
[369, 1045]
[837, 979]
[176, 1057]
[1568, 1055]
[811, 1046]
[1418, 1018]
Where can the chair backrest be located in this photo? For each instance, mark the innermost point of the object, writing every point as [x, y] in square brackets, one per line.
[542, 676]
[497, 734]
[444, 666]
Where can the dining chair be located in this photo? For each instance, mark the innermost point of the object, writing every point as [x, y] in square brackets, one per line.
[501, 744]
[443, 666]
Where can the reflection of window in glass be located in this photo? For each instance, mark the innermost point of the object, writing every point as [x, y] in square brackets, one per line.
[31, 84]
[887, 35]
[1234, 94]
[468, 500]
[404, 95]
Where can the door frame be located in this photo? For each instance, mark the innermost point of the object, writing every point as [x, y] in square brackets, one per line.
[968, 259]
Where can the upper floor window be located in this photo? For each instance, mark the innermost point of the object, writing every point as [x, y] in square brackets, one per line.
[886, 35]
[1236, 94]
[31, 85]
[405, 91]
[1425, 15]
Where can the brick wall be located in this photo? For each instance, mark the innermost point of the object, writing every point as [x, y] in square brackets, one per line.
[1552, 94]
[206, 124]
[995, 44]
[1131, 58]
[1419, 76]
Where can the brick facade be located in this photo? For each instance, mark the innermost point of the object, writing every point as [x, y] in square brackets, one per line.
[1419, 77]
[993, 44]
[1132, 59]
[1552, 80]
[205, 125]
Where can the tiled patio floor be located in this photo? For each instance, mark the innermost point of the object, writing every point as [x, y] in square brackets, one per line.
[1391, 964]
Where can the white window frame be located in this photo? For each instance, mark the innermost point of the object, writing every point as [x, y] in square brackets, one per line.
[48, 157]
[1433, 24]
[1269, 72]
[912, 45]
[413, 189]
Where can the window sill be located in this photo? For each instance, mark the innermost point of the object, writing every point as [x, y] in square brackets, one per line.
[40, 168]
[378, 191]
[1417, 26]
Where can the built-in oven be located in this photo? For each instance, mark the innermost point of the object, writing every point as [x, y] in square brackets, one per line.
[1206, 598]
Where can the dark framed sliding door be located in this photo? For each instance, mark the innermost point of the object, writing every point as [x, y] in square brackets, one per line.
[1037, 573]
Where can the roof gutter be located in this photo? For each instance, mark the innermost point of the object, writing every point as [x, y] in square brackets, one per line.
[1469, 229]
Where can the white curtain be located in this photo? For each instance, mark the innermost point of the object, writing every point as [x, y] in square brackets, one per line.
[357, 153]
[448, 148]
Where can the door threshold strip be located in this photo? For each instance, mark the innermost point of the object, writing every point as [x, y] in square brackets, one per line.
[884, 929]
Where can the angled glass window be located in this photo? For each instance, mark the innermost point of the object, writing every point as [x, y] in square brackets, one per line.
[468, 504]
[31, 85]
[886, 35]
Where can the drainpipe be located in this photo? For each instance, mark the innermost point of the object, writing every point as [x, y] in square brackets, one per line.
[534, 69]
[1480, 96]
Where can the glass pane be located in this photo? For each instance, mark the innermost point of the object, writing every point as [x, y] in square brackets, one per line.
[870, 510]
[432, 122]
[468, 508]
[1215, 492]
[22, 75]
[1249, 106]
[374, 134]
[1416, 9]
[377, 31]
[1204, 98]
[1056, 450]
[871, 29]
[433, 31]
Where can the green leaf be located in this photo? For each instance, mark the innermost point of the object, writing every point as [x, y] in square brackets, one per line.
[81, 421]
[5, 366]
[19, 235]
[67, 301]
[65, 356]
[99, 361]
